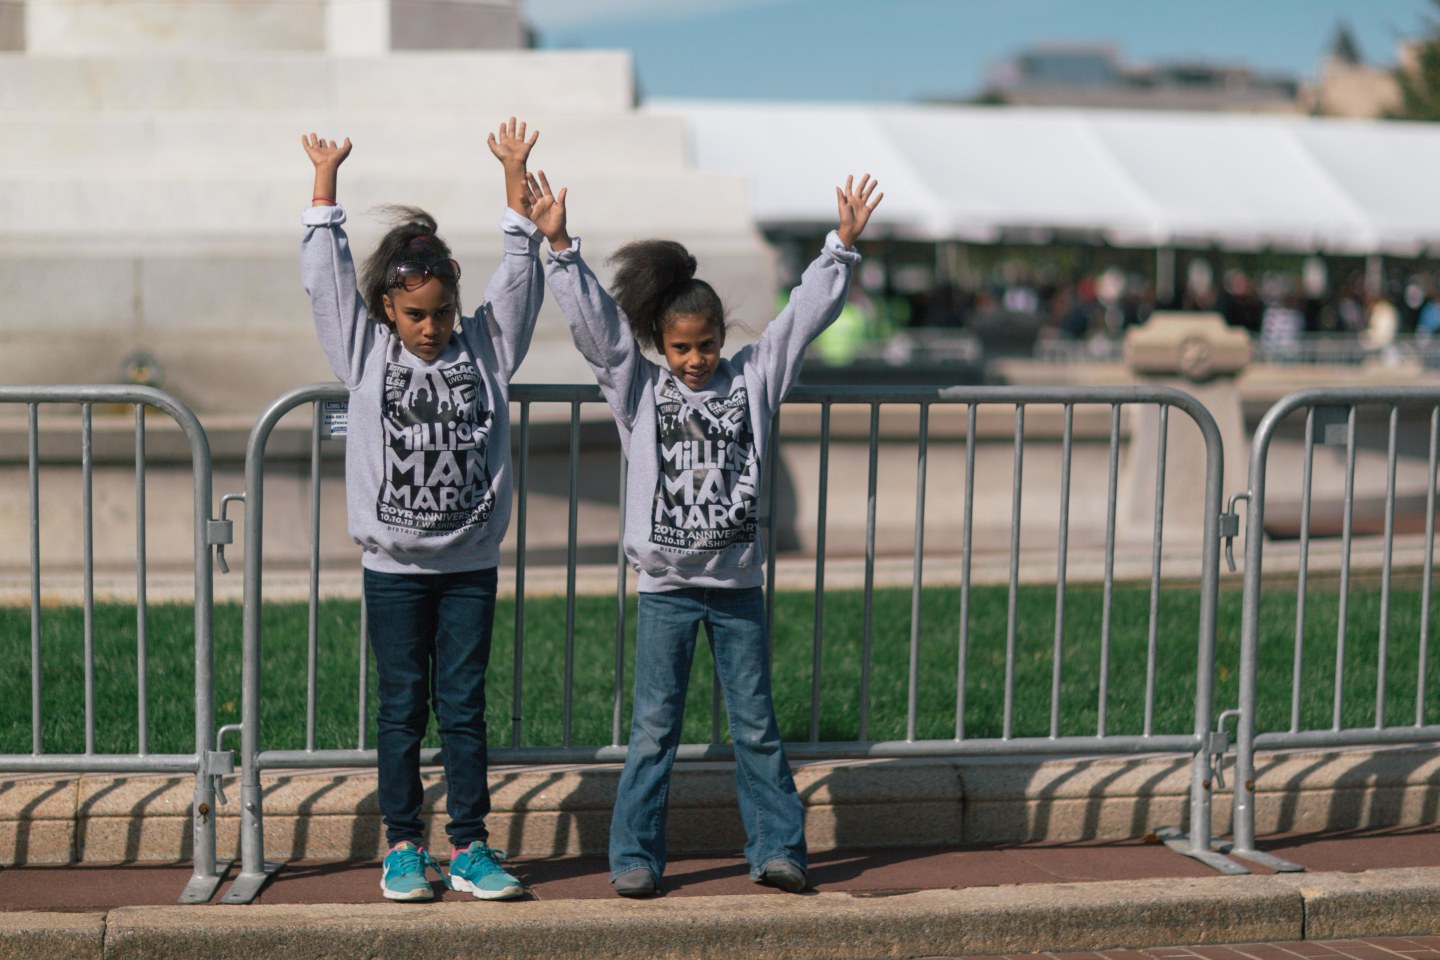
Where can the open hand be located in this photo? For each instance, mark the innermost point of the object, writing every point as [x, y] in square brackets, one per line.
[325, 153]
[856, 207]
[547, 210]
[510, 145]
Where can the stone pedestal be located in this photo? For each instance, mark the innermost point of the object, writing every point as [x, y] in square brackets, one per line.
[1201, 355]
[151, 178]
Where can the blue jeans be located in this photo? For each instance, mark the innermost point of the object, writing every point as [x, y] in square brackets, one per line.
[431, 637]
[770, 809]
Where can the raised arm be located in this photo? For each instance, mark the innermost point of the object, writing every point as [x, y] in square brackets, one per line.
[328, 270]
[327, 156]
[517, 289]
[599, 328]
[512, 149]
[817, 301]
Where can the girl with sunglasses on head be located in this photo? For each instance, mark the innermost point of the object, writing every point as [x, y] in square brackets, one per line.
[427, 480]
[695, 427]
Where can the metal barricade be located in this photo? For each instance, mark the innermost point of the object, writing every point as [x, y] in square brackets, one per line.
[1331, 418]
[1109, 406]
[205, 763]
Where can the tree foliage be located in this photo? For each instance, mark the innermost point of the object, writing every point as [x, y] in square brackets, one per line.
[1420, 84]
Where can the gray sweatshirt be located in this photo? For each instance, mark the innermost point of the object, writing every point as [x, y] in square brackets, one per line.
[427, 455]
[692, 507]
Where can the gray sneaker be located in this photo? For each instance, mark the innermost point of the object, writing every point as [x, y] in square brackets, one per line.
[635, 882]
[783, 875]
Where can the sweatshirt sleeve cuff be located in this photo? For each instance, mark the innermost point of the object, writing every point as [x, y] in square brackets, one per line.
[521, 234]
[321, 216]
[570, 254]
[839, 251]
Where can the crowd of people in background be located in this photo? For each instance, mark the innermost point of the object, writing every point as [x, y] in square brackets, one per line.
[1017, 303]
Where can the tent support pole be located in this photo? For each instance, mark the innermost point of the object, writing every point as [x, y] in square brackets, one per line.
[1165, 276]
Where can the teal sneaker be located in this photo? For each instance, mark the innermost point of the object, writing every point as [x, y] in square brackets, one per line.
[402, 877]
[477, 869]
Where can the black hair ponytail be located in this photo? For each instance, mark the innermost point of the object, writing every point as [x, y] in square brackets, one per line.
[654, 280]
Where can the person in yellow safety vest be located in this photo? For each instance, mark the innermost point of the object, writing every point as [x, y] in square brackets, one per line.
[842, 340]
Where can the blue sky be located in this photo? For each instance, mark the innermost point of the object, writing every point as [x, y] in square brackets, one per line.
[903, 49]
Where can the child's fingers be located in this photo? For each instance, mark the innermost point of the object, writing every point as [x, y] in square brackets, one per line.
[544, 184]
[875, 203]
[560, 200]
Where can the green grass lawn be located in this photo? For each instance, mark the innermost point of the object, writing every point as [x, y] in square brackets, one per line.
[285, 629]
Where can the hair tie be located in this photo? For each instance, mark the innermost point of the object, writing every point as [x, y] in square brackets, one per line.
[420, 241]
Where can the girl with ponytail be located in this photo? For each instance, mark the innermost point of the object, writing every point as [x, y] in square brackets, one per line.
[695, 427]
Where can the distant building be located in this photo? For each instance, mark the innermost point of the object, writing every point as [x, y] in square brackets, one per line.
[1094, 75]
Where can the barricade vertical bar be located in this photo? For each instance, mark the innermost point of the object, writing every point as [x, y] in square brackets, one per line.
[572, 526]
[312, 620]
[1425, 580]
[207, 872]
[1062, 560]
[772, 466]
[1152, 641]
[1383, 649]
[963, 653]
[1012, 604]
[1306, 487]
[1348, 522]
[87, 471]
[1201, 773]
[621, 573]
[867, 628]
[362, 711]
[917, 577]
[622, 570]
[817, 638]
[1108, 603]
[254, 869]
[142, 666]
[522, 500]
[37, 717]
[1243, 829]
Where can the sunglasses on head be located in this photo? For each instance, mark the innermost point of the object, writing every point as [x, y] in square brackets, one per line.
[412, 274]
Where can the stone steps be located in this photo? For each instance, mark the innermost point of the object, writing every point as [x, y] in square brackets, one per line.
[457, 84]
[252, 142]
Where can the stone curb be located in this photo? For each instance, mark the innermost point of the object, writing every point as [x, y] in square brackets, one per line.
[988, 920]
[564, 809]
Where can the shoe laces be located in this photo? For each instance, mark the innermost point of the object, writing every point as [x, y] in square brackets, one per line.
[484, 854]
[410, 859]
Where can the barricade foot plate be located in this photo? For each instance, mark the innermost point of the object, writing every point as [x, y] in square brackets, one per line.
[1214, 858]
[201, 887]
[247, 886]
[1268, 860]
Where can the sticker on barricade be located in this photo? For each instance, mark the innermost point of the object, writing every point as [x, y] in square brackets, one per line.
[334, 418]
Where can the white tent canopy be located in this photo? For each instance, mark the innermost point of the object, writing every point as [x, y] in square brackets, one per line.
[1132, 178]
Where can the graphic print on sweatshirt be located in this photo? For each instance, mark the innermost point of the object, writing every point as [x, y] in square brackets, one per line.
[709, 477]
[436, 433]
